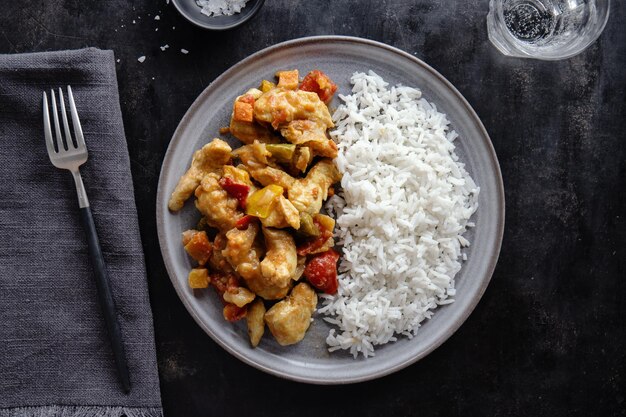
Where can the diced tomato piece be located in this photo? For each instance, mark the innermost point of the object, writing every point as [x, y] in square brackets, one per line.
[247, 98]
[318, 82]
[235, 190]
[315, 243]
[222, 282]
[233, 313]
[243, 112]
[219, 282]
[321, 271]
[288, 79]
[199, 247]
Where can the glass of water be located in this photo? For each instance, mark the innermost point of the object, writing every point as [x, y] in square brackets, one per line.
[545, 29]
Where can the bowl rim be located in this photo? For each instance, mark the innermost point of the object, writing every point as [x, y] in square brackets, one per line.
[208, 26]
[454, 326]
[519, 53]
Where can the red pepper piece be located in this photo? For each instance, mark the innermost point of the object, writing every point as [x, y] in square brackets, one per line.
[321, 271]
[235, 190]
[244, 222]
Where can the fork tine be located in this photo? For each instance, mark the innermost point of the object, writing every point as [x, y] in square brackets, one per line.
[55, 118]
[78, 130]
[66, 127]
[46, 126]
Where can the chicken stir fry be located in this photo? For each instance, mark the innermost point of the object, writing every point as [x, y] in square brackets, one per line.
[261, 229]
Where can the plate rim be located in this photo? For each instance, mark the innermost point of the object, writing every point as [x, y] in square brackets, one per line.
[176, 137]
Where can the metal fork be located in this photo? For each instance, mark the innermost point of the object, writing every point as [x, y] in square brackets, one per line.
[65, 155]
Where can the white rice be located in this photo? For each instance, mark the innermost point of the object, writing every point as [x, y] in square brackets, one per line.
[405, 203]
[221, 7]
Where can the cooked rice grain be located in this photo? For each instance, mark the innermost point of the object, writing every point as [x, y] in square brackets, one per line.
[405, 203]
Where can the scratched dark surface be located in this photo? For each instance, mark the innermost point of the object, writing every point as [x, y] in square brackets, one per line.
[547, 339]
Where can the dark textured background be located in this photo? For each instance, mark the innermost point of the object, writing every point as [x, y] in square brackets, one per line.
[548, 337]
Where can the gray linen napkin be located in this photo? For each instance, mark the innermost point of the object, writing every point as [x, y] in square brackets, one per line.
[55, 356]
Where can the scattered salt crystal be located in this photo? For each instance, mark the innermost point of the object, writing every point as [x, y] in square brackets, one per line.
[157, 17]
[184, 51]
[164, 47]
[133, 22]
[173, 27]
[156, 30]
[118, 60]
[141, 58]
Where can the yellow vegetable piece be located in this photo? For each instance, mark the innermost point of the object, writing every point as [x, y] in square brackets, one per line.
[259, 203]
[327, 222]
[237, 174]
[283, 151]
[198, 278]
[267, 86]
[307, 226]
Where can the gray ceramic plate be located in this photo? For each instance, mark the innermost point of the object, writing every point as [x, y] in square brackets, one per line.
[339, 57]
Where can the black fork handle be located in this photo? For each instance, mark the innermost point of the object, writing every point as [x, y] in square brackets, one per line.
[105, 296]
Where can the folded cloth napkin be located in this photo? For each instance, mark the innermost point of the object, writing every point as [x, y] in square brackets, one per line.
[55, 354]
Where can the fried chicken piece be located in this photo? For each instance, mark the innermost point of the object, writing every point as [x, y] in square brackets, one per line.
[254, 158]
[301, 158]
[311, 133]
[248, 132]
[279, 106]
[308, 194]
[242, 252]
[289, 319]
[266, 290]
[218, 208]
[281, 260]
[209, 159]
[197, 245]
[256, 324]
[239, 296]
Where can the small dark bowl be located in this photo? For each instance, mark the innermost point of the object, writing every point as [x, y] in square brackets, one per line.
[191, 11]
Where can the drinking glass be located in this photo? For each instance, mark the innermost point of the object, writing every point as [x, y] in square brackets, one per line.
[545, 29]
